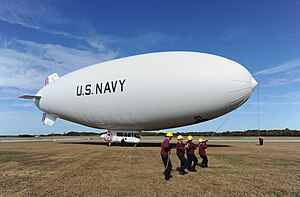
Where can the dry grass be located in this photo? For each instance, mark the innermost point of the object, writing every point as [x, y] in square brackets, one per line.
[57, 169]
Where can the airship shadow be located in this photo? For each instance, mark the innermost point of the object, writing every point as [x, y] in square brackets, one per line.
[142, 144]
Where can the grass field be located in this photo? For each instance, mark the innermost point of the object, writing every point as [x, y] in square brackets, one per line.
[65, 169]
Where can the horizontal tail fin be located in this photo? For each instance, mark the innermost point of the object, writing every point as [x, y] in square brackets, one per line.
[48, 119]
[51, 78]
[29, 97]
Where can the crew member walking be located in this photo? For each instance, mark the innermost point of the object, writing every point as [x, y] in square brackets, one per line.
[180, 150]
[165, 151]
[190, 154]
[202, 146]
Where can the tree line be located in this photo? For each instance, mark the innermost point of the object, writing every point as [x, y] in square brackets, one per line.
[275, 132]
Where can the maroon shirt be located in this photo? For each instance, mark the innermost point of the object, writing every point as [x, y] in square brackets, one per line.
[191, 147]
[180, 149]
[202, 147]
[165, 143]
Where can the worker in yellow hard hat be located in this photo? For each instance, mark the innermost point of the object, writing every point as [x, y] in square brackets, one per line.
[165, 152]
[202, 146]
[180, 151]
[191, 147]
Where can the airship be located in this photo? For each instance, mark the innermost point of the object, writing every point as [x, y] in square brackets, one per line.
[146, 92]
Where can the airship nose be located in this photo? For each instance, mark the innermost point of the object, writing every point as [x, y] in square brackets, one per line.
[244, 85]
[253, 84]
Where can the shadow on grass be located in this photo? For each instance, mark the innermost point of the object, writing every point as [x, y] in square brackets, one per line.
[143, 144]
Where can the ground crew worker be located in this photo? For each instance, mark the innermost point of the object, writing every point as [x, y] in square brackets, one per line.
[190, 154]
[261, 140]
[202, 146]
[180, 151]
[165, 151]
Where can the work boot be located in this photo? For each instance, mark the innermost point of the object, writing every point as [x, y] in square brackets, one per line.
[168, 177]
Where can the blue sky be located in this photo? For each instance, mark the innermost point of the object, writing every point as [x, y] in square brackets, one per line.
[38, 38]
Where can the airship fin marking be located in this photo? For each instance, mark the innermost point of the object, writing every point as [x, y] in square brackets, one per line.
[48, 119]
[51, 78]
[199, 119]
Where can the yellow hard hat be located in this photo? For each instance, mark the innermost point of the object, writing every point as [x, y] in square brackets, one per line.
[190, 137]
[200, 140]
[179, 137]
[169, 134]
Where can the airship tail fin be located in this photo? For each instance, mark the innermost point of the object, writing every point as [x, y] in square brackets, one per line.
[48, 119]
[30, 97]
[51, 78]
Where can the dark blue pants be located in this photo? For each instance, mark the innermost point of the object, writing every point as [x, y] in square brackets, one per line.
[204, 160]
[184, 164]
[192, 158]
[168, 165]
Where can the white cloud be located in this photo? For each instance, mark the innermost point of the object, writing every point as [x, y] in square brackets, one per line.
[46, 17]
[151, 39]
[282, 100]
[10, 94]
[285, 74]
[49, 18]
[17, 68]
[24, 64]
[276, 82]
[230, 34]
[142, 41]
[293, 64]
[32, 14]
